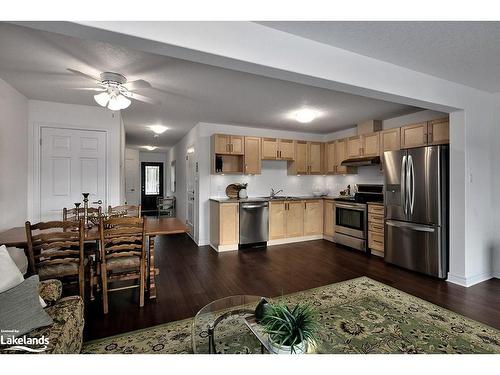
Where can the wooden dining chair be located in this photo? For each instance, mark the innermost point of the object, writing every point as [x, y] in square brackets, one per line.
[55, 250]
[126, 210]
[70, 214]
[123, 254]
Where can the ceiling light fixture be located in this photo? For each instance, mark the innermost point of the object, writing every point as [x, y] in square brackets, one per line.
[150, 148]
[158, 129]
[114, 95]
[305, 115]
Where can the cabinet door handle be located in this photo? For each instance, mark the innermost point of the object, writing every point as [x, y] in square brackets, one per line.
[429, 136]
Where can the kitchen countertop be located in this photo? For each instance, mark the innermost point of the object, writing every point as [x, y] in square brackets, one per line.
[266, 199]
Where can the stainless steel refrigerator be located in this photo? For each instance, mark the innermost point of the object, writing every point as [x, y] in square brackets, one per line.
[416, 209]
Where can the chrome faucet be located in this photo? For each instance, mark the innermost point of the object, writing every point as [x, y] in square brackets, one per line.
[275, 193]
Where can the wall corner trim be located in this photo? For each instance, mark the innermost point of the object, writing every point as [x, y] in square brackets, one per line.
[471, 280]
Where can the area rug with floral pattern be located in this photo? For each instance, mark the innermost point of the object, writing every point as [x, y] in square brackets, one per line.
[356, 316]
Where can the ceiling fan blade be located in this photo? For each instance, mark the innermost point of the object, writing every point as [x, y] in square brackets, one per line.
[142, 98]
[89, 88]
[85, 75]
[137, 85]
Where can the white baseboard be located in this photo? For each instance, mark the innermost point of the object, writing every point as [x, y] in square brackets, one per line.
[469, 281]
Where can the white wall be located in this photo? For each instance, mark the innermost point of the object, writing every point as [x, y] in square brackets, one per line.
[42, 113]
[13, 157]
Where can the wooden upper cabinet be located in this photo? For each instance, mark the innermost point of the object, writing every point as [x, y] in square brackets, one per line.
[286, 149]
[276, 220]
[229, 223]
[222, 143]
[314, 157]
[269, 148]
[294, 213]
[438, 131]
[313, 217]
[390, 140]
[370, 144]
[330, 157]
[278, 149]
[414, 135]
[354, 147]
[229, 144]
[329, 217]
[237, 144]
[300, 163]
[252, 155]
[340, 156]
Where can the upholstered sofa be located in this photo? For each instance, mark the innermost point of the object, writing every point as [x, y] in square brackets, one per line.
[66, 332]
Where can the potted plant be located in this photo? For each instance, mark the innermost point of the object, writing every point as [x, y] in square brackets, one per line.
[289, 330]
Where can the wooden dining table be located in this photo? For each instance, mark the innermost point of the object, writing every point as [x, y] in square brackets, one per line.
[154, 226]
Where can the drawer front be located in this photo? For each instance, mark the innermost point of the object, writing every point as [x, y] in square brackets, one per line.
[376, 209]
[374, 218]
[376, 241]
[376, 227]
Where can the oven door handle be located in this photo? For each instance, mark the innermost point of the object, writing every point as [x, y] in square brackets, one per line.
[337, 205]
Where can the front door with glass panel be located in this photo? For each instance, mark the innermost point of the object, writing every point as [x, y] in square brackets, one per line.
[151, 186]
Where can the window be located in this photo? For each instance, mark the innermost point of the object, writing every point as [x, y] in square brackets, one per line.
[152, 180]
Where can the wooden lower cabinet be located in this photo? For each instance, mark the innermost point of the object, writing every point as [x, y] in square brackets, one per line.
[294, 214]
[376, 229]
[313, 217]
[276, 220]
[224, 225]
[328, 217]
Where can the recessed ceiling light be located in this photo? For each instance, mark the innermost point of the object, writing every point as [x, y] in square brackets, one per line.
[158, 129]
[150, 148]
[305, 115]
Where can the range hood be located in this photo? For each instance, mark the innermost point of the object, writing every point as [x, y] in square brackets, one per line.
[363, 161]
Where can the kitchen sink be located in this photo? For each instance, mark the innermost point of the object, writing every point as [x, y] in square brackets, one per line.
[279, 197]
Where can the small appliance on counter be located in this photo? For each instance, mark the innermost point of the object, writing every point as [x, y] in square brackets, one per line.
[351, 215]
[234, 191]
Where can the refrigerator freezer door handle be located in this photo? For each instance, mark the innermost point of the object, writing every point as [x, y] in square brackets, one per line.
[408, 186]
[403, 184]
[412, 174]
[419, 228]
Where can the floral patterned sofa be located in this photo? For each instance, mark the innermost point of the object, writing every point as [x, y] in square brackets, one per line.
[66, 333]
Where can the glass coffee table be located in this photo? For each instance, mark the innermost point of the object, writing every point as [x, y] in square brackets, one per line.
[220, 327]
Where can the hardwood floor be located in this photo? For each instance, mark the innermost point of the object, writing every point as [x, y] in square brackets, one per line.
[191, 277]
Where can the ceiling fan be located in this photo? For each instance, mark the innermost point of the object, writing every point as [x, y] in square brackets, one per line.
[115, 91]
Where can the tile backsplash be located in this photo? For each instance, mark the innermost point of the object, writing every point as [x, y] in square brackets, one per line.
[274, 175]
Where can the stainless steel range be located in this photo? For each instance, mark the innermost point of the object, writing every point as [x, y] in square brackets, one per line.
[351, 216]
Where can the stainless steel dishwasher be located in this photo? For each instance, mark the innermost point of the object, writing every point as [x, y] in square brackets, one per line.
[254, 223]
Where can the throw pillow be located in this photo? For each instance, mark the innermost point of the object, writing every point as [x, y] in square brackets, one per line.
[21, 311]
[10, 276]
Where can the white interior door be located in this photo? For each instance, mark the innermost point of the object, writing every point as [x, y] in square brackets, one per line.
[72, 162]
[190, 193]
[132, 177]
